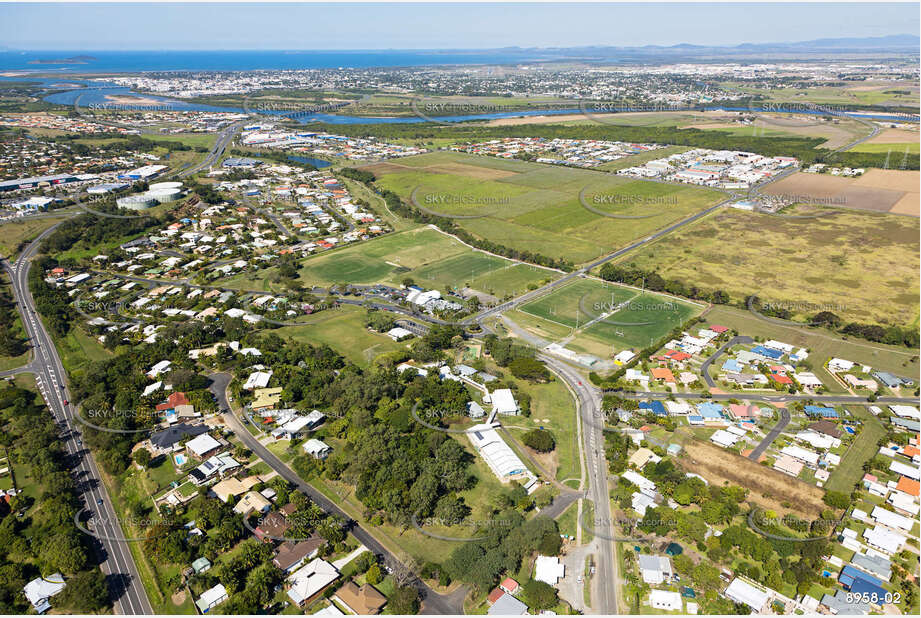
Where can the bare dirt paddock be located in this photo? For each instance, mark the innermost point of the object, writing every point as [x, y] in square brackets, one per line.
[766, 487]
[890, 191]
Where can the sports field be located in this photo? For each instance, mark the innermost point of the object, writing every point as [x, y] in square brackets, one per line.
[861, 266]
[602, 315]
[428, 257]
[537, 208]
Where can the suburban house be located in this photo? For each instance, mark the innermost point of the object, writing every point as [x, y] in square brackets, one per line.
[306, 583]
[203, 446]
[266, 398]
[741, 591]
[215, 467]
[655, 569]
[40, 589]
[211, 598]
[252, 501]
[274, 525]
[665, 600]
[317, 448]
[364, 600]
[167, 440]
[290, 556]
[507, 605]
[233, 487]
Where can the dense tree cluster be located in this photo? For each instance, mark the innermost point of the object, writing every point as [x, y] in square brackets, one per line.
[504, 544]
[651, 280]
[38, 535]
[12, 342]
[540, 440]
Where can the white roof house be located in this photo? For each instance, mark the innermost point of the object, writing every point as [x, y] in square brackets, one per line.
[905, 411]
[892, 520]
[257, 379]
[641, 502]
[549, 569]
[665, 599]
[310, 579]
[211, 597]
[398, 332]
[317, 448]
[161, 367]
[40, 589]
[724, 438]
[804, 455]
[655, 569]
[500, 458]
[839, 364]
[640, 481]
[741, 591]
[503, 402]
[898, 467]
[203, 444]
[884, 540]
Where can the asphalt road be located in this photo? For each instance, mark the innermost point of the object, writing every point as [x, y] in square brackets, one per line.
[705, 367]
[432, 603]
[116, 562]
[772, 435]
[606, 580]
[220, 145]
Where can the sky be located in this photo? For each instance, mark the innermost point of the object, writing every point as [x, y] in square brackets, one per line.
[238, 26]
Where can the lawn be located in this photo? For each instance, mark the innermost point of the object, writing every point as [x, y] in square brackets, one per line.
[895, 149]
[846, 476]
[17, 231]
[343, 330]
[205, 140]
[535, 207]
[77, 349]
[861, 266]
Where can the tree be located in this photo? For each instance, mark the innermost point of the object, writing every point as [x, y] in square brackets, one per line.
[540, 595]
[373, 574]
[142, 457]
[540, 440]
[86, 593]
[529, 369]
[404, 600]
[836, 499]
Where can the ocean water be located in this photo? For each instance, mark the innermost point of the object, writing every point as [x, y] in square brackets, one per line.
[135, 61]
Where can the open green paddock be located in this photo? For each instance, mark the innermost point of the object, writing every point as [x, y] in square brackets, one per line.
[895, 149]
[602, 315]
[536, 207]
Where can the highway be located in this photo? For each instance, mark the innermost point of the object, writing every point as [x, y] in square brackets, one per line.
[432, 603]
[606, 580]
[116, 562]
[220, 145]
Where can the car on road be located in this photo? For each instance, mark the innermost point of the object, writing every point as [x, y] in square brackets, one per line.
[66, 403]
[99, 501]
